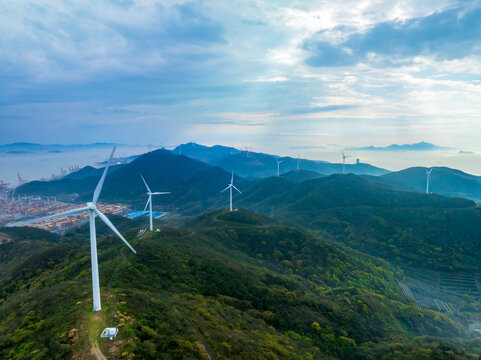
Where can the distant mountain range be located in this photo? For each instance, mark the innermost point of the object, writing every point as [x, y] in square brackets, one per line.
[27, 148]
[255, 165]
[208, 154]
[172, 172]
[420, 146]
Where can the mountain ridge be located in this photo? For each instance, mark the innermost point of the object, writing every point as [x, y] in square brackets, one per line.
[420, 146]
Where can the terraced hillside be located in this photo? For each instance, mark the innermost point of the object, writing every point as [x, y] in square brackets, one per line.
[454, 292]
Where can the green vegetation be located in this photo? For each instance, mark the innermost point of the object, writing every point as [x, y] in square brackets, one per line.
[407, 228]
[237, 283]
[193, 184]
[445, 181]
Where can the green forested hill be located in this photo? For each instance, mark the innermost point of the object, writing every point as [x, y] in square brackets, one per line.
[301, 175]
[409, 228]
[405, 227]
[22, 245]
[237, 284]
[193, 184]
[444, 181]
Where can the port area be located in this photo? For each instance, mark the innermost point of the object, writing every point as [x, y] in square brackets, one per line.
[452, 292]
[27, 211]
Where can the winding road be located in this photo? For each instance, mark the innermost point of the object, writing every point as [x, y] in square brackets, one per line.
[197, 335]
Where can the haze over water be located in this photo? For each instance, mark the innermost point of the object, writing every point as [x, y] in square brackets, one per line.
[398, 160]
[34, 166]
[37, 165]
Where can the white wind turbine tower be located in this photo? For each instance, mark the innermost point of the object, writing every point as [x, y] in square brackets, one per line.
[428, 179]
[149, 201]
[344, 161]
[230, 187]
[92, 209]
[278, 163]
[298, 161]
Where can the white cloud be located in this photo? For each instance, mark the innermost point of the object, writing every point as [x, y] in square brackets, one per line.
[269, 79]
[246, 83]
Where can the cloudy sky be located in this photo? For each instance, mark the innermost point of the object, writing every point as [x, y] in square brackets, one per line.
[260, 73]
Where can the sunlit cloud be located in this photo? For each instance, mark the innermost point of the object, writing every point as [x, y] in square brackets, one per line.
[241, 72]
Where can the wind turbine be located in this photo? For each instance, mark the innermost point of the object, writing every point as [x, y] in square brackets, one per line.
[21, 181]
[92, 210]
[149, 201]
[278, 162]
[344, 161]
[298, 161]
[428, 179]
[230, 186]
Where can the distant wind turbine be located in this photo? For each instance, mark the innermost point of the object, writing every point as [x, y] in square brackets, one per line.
[230, 187]
[344, 162]
[298, 161]
[149, 201]
[92, 210]
[428, 179]
[21, 181]
[278, 163]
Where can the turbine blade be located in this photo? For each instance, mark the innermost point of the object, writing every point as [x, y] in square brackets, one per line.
[160, 193]
[232, 178]
[147, 204]
[98, 189]
[147, 186]
[226, 188]
[107, 222]
[62, 214]
[240, 192]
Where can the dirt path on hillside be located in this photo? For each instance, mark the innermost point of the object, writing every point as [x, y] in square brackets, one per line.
[96, 352]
